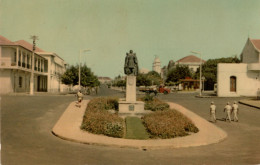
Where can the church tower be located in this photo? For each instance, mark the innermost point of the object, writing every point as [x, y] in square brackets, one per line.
[157, 65]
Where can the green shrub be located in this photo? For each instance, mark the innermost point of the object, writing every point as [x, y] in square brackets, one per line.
[98, 120]
[147, 97]
[103, 103]
[168, 124]
[154, 104]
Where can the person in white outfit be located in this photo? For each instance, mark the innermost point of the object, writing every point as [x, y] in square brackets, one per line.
[235, 111]
[212, 110]
[79, 96]
[228, 109]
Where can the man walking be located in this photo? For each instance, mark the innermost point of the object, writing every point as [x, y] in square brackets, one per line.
[80, 98]
[235, 111]
[228, 109]
[212, 110]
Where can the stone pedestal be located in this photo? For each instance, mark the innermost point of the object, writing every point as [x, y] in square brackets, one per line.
[131, 88]
[130, 106]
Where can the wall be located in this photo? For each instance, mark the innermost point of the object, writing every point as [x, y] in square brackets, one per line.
[249, 54]
[6, 82]
[247, 81]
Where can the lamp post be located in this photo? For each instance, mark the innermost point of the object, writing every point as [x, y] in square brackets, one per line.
[34, 37]
[200, 67]
[203, 81]
[84, 50]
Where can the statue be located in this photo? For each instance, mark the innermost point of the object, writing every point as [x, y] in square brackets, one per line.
[131, 64]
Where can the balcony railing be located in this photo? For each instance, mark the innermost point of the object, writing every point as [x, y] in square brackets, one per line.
[6, 62]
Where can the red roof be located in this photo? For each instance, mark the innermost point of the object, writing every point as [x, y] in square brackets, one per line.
[28, 45]
[190, 58]
[5, 41]
[23, 43]
[256, 43]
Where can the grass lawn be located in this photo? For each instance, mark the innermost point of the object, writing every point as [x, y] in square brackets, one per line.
[135, 129]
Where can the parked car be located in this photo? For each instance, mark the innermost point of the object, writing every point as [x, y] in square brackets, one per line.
[154, 89]
[164, 90]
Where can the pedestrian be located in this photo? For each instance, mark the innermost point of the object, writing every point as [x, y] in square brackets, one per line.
[80, 98]
[212, 110]
[235, 111]
[228, 109]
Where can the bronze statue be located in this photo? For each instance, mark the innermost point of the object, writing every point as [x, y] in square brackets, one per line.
[131, 64]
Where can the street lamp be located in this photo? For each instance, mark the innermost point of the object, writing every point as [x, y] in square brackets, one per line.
[203, 81]
[200, 67]
[80, 51]
[34, 37]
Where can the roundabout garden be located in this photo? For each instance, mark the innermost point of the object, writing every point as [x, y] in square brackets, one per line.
[102, 117]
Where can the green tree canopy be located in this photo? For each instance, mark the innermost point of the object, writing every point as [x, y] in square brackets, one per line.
[142, 80]
[71, 76]
[178, 72]
[209, 70]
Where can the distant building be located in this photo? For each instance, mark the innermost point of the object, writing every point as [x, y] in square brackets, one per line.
[191, 61]
[143, 71]
[16, 67]
[157, 65]
[104, 80]
[241, 79]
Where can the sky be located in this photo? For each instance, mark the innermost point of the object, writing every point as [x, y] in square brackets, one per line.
[168, 29]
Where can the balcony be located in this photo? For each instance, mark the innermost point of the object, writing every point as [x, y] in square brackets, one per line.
[6, 63]
[254, 66]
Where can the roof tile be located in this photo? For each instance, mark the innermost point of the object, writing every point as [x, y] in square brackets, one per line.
[190, 58]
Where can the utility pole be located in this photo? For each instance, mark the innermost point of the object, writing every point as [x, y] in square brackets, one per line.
[200, 69]
[34, 38]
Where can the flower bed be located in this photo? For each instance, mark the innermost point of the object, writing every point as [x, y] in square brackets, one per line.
[99, 121]
[168, 124]
[154, 104]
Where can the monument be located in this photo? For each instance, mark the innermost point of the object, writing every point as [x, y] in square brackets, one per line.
[129, 105]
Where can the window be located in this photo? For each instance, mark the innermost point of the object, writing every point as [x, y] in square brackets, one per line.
[20, 82]
[233, 82]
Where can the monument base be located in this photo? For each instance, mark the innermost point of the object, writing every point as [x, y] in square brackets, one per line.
[128, 108]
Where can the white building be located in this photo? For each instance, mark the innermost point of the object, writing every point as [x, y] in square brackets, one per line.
[191, 61]
[143, 71]
[16, 68]
[104, 80]
[157, 65]
[56, 67]
[241, 79]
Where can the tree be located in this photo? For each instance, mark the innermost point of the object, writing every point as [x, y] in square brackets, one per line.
[209, 70]
[154, 77]
[71, 77]
[142, 80]
[178, 72]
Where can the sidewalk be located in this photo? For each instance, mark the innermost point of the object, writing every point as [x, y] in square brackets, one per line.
[68, 127]
[251, 102]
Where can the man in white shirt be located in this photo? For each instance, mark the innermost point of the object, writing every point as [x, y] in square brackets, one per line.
[212, 110]
[228, 109]
[235, 111]
[79, 97]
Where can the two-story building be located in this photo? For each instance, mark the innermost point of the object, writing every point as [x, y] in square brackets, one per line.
[191, 61]
[241, 79]
[16, 59]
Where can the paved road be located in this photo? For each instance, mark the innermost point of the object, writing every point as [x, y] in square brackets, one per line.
[27, 139]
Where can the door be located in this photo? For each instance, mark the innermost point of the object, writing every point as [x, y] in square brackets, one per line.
[233, 84]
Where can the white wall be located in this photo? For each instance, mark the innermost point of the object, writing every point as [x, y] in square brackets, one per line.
[247, 81]
[5, 82]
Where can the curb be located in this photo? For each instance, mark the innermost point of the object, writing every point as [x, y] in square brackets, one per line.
[250, 105]
[68, 128]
